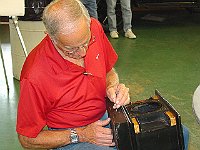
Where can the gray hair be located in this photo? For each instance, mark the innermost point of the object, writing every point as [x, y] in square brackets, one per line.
[62, 16]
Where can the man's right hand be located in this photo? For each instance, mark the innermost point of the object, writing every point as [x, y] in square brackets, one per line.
[96, 133]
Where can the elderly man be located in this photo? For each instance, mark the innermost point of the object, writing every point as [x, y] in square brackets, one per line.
[64, 82]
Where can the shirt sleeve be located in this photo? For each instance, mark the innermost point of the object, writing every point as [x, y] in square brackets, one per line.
[31, 110]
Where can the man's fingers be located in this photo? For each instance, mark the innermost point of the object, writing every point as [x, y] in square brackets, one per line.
[105, 142]
[103, 122]
[111, 93]
[125, 99]
[119, 95]
[122, 96]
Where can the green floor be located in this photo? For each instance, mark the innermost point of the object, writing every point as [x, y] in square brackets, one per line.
[165, 56]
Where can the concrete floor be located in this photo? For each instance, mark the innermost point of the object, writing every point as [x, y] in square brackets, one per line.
[165, 56]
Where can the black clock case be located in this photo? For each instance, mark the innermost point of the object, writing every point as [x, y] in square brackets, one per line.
[151, 124]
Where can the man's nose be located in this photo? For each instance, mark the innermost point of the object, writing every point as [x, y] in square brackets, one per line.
[82, 51]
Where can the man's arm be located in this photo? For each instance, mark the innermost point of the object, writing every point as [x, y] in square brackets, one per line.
[112, 79]
[94, 133]
[116, 92]
[46, 139]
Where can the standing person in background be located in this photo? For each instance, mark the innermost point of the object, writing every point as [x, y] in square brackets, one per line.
[91, 6]
[126, 15]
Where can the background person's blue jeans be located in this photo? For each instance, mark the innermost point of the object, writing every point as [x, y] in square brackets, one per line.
[91, 6]
[88, 146]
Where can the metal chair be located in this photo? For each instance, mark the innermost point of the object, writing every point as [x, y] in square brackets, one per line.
[2, 59]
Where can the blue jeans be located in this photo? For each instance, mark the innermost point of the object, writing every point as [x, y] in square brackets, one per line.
[185, 137]
[84, 146]
[89, 146]
[91, 6]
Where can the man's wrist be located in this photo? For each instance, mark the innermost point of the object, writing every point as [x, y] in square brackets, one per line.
[112, 86]
[112, 79]
[74, 138]
[81, 134]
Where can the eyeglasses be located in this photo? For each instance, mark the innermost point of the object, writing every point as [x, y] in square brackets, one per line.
[73, 50]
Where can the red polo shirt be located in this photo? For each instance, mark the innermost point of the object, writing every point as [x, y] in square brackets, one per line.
[58, 93]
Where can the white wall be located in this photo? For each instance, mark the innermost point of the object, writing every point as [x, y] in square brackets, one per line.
[12, 7]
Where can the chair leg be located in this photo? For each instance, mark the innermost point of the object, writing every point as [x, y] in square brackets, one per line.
[15, 22]
[4, 68]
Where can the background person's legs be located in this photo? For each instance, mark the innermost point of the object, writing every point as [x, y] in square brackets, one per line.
[112, 23]
[126, 14]
[91, 6]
